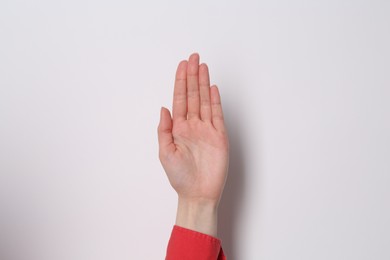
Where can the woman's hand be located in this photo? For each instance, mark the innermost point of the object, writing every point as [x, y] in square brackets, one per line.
[194, 146]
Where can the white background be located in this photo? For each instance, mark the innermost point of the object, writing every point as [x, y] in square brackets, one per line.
[305, 88]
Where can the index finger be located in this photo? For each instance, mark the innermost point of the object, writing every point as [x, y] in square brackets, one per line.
[179, 107]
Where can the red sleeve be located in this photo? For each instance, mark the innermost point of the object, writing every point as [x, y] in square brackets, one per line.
[186, 244]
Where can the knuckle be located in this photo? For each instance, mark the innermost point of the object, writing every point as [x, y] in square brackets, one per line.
[205, 102]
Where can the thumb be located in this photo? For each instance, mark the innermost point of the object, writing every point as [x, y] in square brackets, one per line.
[165, 138]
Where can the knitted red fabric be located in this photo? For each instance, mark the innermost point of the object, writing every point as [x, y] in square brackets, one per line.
[186, 244]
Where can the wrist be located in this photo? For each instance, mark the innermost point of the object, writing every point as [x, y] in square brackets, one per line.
[198, 214]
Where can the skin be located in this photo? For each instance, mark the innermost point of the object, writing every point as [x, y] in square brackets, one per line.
[194, 146]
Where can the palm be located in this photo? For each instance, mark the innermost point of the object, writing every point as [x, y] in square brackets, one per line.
[194, 145]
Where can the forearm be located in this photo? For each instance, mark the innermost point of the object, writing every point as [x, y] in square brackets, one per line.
[199, 215]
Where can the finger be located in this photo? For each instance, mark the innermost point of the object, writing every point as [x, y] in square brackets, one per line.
[165, 138]
[193, 86]
[179, 107]
[204, 86]
[216, 109]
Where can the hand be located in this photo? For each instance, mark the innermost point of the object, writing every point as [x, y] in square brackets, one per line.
[193, 145]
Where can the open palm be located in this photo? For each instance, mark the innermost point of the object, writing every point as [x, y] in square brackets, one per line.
[193, 143]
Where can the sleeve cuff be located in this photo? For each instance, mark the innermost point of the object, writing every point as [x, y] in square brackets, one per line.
[187, 244]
